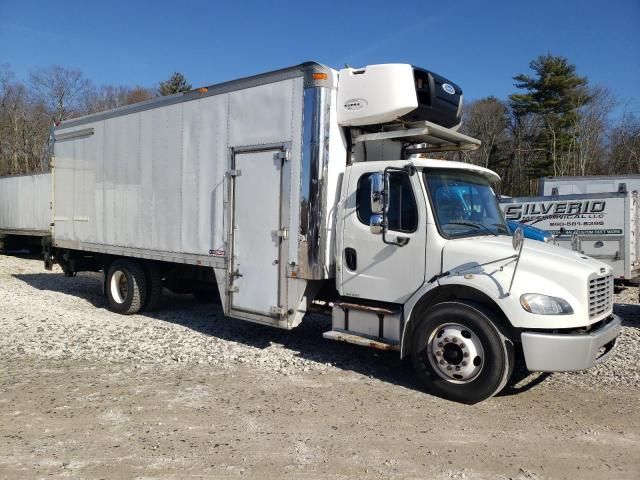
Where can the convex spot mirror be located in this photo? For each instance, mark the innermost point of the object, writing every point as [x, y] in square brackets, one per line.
[518, 238]
[376, 223]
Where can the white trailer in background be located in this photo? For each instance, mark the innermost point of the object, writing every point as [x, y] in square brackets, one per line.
[301, 187]
[601, 225]
[591, 184]
[25, 210]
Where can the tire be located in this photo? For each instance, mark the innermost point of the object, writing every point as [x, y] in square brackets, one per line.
[459, 353]
[154, 287]
[126, 287]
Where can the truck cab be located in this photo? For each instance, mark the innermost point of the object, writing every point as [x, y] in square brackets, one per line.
[426, 264]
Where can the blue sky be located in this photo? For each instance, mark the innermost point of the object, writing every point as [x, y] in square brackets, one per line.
[480, 45]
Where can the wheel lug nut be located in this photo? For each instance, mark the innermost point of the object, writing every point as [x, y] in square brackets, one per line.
[446, 339]
[438, 353]
[466, 354]
[457, 369]
[464, 364]
[441, 362]
[440, 344]
[448, 367]
[454, 340]
[462, 345]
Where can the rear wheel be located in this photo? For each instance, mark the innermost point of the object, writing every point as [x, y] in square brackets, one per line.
[459, 353]
[126, 287]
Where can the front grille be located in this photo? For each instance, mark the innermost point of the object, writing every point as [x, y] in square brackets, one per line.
[600, 295]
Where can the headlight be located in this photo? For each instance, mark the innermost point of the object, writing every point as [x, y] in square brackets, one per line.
[545, 305]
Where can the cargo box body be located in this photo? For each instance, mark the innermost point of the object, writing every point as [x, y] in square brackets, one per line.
[25, 204]
[235, 176]
[605, 225]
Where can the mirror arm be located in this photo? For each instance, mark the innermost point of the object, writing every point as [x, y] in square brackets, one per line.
[410, 170]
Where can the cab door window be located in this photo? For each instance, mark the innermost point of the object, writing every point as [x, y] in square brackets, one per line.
[402, 215]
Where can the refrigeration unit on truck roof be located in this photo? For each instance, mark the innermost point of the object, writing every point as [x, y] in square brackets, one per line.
[410, 94]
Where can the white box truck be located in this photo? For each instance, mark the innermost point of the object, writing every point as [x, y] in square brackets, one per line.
[601, 225]
[25, 210]
[300, 187]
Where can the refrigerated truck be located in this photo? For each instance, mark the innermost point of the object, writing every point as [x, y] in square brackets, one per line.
[601, 225]
[300, 188]
[25, 211]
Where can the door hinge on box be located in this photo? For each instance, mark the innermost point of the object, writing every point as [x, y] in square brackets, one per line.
[234, 172]
[278, 311]
[283, 233]
[285, 155]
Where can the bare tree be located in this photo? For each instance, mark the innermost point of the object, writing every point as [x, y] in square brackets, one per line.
[487, 120]
[590, 129]
[625, 145]
[108, 97]
[62, 89]
[24, 125]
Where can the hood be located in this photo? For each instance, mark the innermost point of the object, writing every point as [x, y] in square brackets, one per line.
[543, 268]
[464, 253]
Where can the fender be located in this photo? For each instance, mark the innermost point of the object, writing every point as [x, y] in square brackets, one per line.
[430, 294]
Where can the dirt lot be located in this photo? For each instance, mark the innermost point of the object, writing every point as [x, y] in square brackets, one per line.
[186, 393]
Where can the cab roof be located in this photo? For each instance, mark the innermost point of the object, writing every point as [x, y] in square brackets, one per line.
[450, 165]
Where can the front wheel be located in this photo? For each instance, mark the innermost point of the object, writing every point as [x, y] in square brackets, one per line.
[459, 353]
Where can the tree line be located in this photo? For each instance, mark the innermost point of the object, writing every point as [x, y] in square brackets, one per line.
[29, 110]
[556, 123]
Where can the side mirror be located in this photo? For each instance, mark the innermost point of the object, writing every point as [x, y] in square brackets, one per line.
[376, 223]
[376, 181]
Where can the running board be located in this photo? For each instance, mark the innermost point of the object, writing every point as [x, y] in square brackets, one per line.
[363, 341]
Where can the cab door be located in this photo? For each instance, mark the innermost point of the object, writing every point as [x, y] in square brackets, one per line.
[371, 268]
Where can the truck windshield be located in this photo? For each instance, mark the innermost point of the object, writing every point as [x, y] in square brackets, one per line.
[464, 204]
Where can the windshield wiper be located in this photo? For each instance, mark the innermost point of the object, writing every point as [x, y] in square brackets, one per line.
[502, 227]
[476, 225]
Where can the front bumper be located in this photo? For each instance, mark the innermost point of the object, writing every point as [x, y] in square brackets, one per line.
[554, 352]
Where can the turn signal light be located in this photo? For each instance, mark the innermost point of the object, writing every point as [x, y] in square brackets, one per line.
[203, 89]
[320, 76]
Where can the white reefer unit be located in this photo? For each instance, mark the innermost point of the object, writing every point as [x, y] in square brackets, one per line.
[382, 94]
[25, 204]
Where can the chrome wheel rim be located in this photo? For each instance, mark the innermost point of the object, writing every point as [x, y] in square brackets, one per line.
[119, 286]
[455, 353]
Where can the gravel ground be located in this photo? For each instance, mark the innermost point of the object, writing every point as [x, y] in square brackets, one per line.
[185, 392]
[50, 316]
